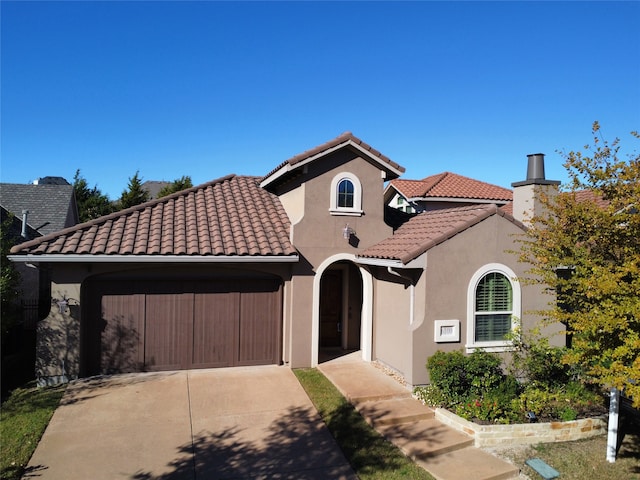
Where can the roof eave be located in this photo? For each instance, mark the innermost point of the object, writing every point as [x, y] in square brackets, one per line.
[62, 258]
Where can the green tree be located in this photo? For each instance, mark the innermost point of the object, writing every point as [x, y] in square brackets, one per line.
[176, 186]
[586, 249]
[92, 203]
[9, 275]
[135, 194]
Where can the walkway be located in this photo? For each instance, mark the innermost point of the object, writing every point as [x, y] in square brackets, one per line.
[389, 407]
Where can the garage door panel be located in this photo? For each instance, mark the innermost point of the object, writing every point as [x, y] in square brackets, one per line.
[168, 331]
[258, 325]
[122, 333]
[215, 329]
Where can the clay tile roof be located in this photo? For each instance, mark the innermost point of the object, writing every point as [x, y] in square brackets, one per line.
[451, 185]
[428, 229]
[231, 216]
[590, 196]
[344, 138]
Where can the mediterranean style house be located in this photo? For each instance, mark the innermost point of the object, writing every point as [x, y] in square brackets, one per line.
[305, 261]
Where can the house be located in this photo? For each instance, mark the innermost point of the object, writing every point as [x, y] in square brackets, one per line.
[305, 260]
[42, 208]
[442, 191]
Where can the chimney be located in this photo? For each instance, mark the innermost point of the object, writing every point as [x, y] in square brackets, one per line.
[526, 194]
[25, 214]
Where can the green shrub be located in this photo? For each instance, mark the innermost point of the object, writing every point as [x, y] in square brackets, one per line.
[458, 376]
[430, 395]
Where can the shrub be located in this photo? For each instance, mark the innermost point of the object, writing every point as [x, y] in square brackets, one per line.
[430, 395]
[458, 376]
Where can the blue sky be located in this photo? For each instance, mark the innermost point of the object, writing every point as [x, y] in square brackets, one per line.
[210, 88]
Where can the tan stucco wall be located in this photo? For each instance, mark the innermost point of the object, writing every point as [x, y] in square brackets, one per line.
[318, 235]
[441, 294]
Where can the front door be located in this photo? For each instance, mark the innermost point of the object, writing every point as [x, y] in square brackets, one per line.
[331, 309]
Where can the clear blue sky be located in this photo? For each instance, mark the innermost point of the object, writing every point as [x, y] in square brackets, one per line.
[210, 88]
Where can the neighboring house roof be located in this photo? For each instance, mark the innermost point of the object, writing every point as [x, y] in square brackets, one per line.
[154, 187]
[428, 229]
[51, 207]
[449, 185]
[289, 167]
[228, 217]
[589, 196]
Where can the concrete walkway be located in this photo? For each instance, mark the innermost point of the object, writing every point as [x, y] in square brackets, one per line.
[243, 422]
[389, 407]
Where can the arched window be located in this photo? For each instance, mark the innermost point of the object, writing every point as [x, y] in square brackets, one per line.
[493, 305]
[346, 195]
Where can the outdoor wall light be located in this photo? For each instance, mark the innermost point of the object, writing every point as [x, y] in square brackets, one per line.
[347, 231]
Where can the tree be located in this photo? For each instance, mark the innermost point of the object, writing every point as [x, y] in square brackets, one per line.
[177, 185]
[9, 275]
[135, 194]
[92, 203]
[586, 250]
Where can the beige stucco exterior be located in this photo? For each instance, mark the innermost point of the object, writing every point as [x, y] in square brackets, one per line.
[388, 313]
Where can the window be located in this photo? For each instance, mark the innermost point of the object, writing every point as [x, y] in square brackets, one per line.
[346, 195]
[493, 305]
[400, 200]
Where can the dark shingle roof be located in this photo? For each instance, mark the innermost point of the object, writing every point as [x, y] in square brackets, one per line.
[428, 229]
[51, 207]
[231, 216]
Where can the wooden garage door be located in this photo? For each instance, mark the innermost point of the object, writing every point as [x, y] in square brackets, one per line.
[169, 325]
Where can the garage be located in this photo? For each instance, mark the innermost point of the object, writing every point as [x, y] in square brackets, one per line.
[148, 324]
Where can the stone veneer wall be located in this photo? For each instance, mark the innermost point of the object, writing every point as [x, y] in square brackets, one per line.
[523, 433]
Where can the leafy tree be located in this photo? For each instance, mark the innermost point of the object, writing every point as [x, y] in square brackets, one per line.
[177, 185]
[92, 203]
[135, 194]
[586, 249]
[9, 275]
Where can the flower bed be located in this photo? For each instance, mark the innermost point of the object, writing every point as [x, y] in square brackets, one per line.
[523, 433]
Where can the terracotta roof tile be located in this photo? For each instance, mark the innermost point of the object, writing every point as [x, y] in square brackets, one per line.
[428, 229]
[345, 137]
[229, 216]
[451, 185]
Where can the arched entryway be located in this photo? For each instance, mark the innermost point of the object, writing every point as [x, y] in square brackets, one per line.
[342, 309]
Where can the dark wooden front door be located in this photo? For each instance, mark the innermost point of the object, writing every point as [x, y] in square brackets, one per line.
[331, 308]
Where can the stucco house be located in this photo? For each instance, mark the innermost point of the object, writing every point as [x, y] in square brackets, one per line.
[305, 260]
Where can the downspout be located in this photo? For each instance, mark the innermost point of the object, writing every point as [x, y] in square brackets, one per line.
[412, 292]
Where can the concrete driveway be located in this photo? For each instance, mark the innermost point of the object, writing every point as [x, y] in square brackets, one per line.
[245, 422]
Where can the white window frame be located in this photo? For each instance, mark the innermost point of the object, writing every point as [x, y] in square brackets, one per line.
[499, 345]
[356, 210]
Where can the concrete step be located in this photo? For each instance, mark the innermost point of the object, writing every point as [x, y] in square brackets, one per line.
[468, 464]
[394, 411]
[425, 438]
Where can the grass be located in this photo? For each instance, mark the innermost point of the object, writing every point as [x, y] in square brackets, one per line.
[23, 418]
[583, 459]
[370, 455]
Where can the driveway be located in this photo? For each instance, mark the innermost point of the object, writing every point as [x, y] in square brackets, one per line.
[243, 422]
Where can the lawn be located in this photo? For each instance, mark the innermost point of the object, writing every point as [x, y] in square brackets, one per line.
[23, 418]
[370, 455]
[583, 459]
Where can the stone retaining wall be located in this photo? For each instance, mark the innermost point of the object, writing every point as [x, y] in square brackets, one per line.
[523, 433]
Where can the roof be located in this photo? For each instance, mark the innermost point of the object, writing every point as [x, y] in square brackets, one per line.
[449, 185]
[51, 207]
[430, 228]
[346, 140]
[197, 222]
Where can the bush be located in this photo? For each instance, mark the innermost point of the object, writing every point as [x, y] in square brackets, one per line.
[458, 376]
